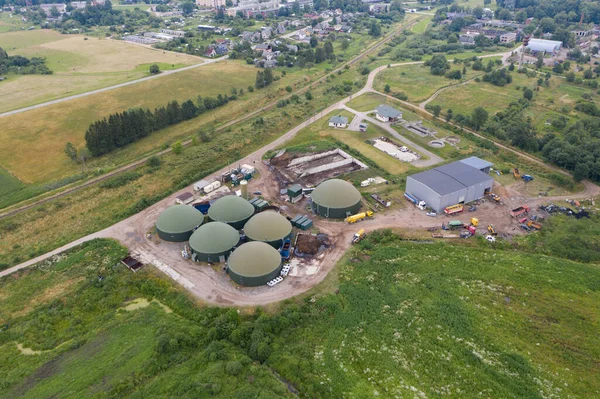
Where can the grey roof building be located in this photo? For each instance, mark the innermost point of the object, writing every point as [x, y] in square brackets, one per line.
[478, 163]
[544, 46]
[213, 242]
[254, 263]
[335, 199]
[338, 121]
[177, 223]
[386, 113]
[454, 183]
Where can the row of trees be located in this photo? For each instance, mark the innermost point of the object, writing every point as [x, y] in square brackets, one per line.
[122, 128]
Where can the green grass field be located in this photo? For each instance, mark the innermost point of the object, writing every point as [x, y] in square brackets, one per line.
[421, 26]
[395, 318]
[8, 182]
[79, 64]
[547, 102]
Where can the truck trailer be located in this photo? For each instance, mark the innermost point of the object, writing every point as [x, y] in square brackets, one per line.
[454, 209]
[520, 211]
[358, 217]
[422, 205]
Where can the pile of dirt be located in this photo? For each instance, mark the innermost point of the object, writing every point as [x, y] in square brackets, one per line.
[308, 244]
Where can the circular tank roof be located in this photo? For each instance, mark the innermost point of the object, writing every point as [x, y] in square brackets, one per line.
[254, 259]
[230, 208]
[336, 193]
[214, 238]
[179, 219]
[267, 226]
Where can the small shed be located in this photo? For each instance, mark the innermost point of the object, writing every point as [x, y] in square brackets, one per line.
[184, 198]
[294, 192]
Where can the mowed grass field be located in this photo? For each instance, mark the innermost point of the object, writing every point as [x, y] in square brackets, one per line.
[547, 103]
[79, 64]
[47, 130]
[14, 23]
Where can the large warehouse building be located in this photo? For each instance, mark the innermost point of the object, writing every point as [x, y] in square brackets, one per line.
[455, 183]
[231, 209]
[213, 242]
[254, 263]
[335, 199]
[177, 223]
[270, 227]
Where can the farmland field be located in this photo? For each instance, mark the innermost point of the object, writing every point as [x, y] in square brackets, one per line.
[394, 319]
[8, 182]
[79, 64]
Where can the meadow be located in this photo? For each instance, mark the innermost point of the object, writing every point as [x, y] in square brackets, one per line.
[79, 64]
[395, 318]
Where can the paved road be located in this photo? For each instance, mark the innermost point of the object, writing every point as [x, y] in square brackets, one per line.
[131, 82]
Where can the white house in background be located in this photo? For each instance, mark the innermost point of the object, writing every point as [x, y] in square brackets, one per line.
[338, 121]
[387, 114]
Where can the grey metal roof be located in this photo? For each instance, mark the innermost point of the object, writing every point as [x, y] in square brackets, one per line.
[387, 111]
[477, 163]
[548, 46]
[214, 238]
[338, 119]
[254, 259]
[452, 177]
[179, 219]
[336, 193]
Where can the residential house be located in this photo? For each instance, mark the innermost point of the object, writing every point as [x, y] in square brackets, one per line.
[221, 49]
[210, 52]
[280, 29]
[346, 28]
[467, 39]
[379, 8]
[61, 7]
[454, 15]
[292, 47]
[386, 113]
[338, 122]
[266, 33]
[78, 4]
[262, 47]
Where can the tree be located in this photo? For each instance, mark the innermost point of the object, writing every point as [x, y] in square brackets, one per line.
[588, 74]
[438, 65]
[313, 41]
[558, 69]
[449, 115]
[260, 80]
[329, 49]
[320, 55]
[154, 69]
[511, 67]
[177, 147]
[528, 94]
[478, 117]
[521, 16]
[345, 44]
[540, 61]
[54, 12]
[308, 95]
[435, 110]
[581, 171]
[153, 162]
[375, 29]
[570, 76]
[387, 88]
[71, 151]
[268, 76]
[187, 8]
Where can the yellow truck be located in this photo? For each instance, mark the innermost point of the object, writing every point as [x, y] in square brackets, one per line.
[359, 217]
[474, 222]
[358, 236]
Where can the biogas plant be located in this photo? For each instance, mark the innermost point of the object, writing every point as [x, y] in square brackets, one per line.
[255, 229]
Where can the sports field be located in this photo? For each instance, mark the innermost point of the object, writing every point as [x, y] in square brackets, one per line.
[79, 64]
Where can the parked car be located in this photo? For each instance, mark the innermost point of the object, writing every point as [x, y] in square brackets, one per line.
[432, 214]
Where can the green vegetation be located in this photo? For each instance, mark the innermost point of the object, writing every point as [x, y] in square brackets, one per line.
[395, 318]
[71, 313]
[8, 182]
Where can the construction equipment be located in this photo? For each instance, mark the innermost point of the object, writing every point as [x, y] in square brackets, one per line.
[358, 217]
[492, 230]
[472, 208]
[494, 197]
[285, 249]
[522, 210]
[516, 173]
[454, 209]
[534, 225]
[422, 205]
[474, 222]
[358, 236]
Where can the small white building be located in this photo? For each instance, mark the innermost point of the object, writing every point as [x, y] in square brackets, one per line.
[338, 122]
[386, 113]
[184, 198]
